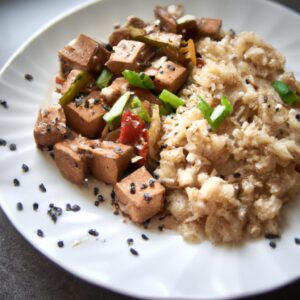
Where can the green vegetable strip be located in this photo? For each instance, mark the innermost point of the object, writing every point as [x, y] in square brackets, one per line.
[137, 106]
[116, 111]
[219, 114]
[165, 109]
[171, 99]
[205, 108]
[140, 80]
[104, 79]
[82, 79]
[215, 117]
[285, 92]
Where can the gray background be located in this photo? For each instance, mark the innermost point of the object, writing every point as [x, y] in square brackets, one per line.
[24, 272]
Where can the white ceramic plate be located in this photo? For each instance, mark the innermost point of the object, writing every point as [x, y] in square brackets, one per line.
[167, 267]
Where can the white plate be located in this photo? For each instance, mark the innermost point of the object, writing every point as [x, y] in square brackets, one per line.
[167, 267]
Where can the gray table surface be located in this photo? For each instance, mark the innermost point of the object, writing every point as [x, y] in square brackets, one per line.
[24, 272]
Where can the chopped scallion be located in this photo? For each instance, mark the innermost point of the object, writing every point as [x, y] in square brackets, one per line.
[104, 79]
[138, 108]
[140, 80]
[285, 92]
[116, 111]
[171, 99]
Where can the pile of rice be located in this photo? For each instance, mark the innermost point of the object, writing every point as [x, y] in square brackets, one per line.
[231, 185]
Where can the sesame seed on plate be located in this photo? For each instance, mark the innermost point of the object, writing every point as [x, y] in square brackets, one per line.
[144, 237]
[40, 233]
[134, 252]
[19, 206]
[60, 244]
[16, 182]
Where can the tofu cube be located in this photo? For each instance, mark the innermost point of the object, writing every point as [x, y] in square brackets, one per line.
[140, 196]
[86, 118]
[209, 26]
[127, 55]
[170, 76]
[83, 54]
[114, 91]
[71, 164]
[50, 126]
[108, 160]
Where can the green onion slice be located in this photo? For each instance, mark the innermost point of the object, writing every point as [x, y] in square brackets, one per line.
[116, 111]
[216, 116]
[140, 80]
[80, 82]
[138, 108]
[285, 92]
[171, 99]
[104, 79]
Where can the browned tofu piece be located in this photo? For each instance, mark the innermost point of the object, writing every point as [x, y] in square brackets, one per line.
[140, 196]
[167, 21]
[209, 27]
[71, 164]
[118, 35]
[113, 92]
[86, 118]
[127, 55]
[145, 95]
[108, 160]
[83, 54]
[169, 76]
[50, 126]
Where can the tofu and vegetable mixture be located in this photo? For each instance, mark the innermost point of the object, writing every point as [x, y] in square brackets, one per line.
[195, 127]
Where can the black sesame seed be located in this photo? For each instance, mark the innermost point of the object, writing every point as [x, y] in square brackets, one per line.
[75, 208]
[271, 236]
[93, 232]
[163, 146]
[116, 212]
[156, 176]
[144, 186]
[144, 237]
[12, 147]
[147, 197]
[16, 182]
[51, 205]
[96, 203]
[132, 189]
[113, 197]
[3, 142]
[171, 67]
[19, 206]
[272, 244]
[151, 182]
[28, 77]
[247, 81]
[54, 212]
[68, 207]
[96, 191]
[266, 98]
[161, 72]
[297, 241]
[42, 188]
[60, 244]
[108, 47]
[100, 198]
[146, 224]
[161, 227]
[40, 233]
[134, 252]
[277, 109]
[132, 184]
[25, 168]
[237, 175]
[298, 117]
[3, 103]
[130, 241]
[35, 206]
